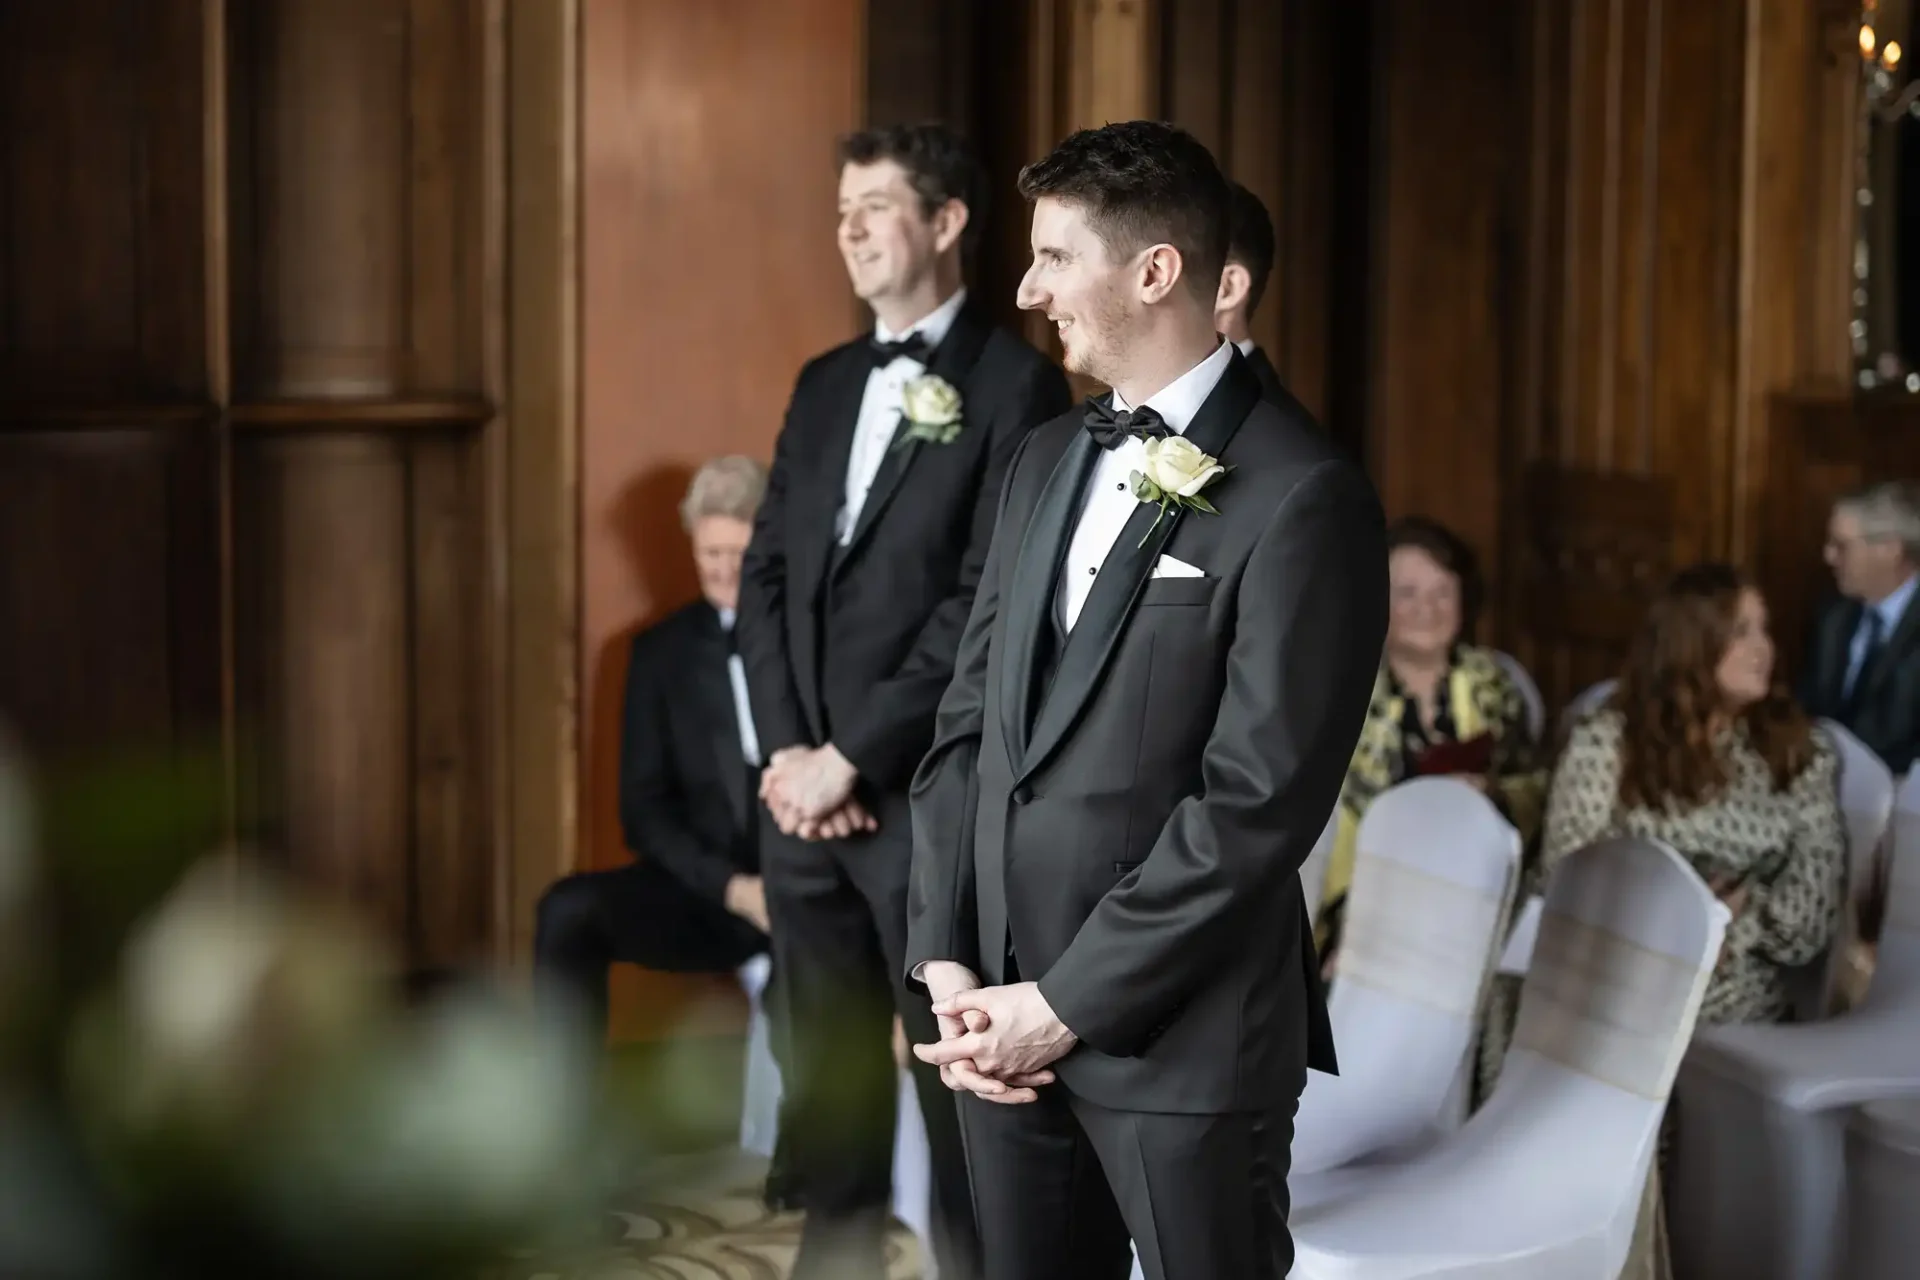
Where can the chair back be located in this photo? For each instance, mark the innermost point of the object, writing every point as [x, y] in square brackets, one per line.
[1897, 961]
[1313, 872]
[1434, 871]
[1585, 703]
[1529, 692]
[1866, 803]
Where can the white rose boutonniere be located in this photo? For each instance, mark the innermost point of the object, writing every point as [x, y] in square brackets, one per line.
[1176, 472]
[931, 406]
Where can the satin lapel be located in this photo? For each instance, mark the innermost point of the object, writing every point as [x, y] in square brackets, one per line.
[1035, 573]
[1116, 590]
[953, 361]
[840, 407]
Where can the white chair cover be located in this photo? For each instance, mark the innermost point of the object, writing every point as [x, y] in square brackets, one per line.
[1883, 1187]
[1759, 1173]
[1434, 869]
[1313, 872]
[1546, 1180]
[1866, 804]
[1529, 691]
[760, 1105]
[913, 1174]
[1586, 702]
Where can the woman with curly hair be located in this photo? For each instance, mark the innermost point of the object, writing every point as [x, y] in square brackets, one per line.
[1700, 748]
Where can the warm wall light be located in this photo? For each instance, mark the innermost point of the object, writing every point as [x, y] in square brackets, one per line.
[1866, 42]
[1890, 56]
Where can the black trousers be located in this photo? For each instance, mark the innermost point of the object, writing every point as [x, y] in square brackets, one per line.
[839, 911]
[1061, 1185]
[636, 914]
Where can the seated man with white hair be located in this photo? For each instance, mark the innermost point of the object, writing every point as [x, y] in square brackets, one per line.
[1863, 660]
[691, 901]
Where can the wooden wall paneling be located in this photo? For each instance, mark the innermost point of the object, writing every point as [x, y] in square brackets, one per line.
[100, 251]
[446, 203]
[1196, 70]
[534, 463]
[1445, 188]
[332, 722]
[920, 62]
[326, 269]
[1114, 72]
[451, 887]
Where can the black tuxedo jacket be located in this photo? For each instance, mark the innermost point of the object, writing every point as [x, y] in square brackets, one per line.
[1885, 708]
[1271, 388]
[1135, 835]
[685, 795]
[855, 645]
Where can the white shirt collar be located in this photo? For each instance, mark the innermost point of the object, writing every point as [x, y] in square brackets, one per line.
[1246, 346]
[933, 328]
[726, 618]
[1180, 400]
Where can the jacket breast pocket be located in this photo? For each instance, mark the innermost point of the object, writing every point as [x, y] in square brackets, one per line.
[1187, 591]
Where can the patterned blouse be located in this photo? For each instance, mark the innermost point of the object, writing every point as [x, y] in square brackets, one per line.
[1479, 698]
[1788, 846]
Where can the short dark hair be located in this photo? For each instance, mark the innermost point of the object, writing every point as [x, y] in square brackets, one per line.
[1451, 553]
[1143, 182]
[939, 165]
[1250, 242]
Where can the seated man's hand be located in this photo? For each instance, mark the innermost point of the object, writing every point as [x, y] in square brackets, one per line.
[747, 898]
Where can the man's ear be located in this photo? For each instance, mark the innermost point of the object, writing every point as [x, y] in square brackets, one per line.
[949, 222]
[1236, 284]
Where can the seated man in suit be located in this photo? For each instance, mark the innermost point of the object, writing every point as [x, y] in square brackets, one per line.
[1242, 283]
[692, 901]
[1863, 660]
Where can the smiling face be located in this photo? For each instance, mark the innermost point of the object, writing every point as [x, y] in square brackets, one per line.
[1093, 301]
[1423, 618]
[886, 239]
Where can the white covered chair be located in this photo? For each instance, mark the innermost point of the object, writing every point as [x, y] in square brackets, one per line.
[1313, 872]
[1434, 870]
[1586, 702]
[1546, 1180]
[1883, 1186]
[1866, 805]
[1759, 1171]
[1529, 691]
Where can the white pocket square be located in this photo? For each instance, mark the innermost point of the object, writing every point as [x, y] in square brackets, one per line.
[1168, 567]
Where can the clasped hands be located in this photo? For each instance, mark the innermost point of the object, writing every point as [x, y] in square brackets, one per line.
[809, 792]
[995, 1042]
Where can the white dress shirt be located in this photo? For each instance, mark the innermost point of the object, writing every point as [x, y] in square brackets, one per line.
[880, 411]
[1109, 501]
[742, 711]
[1246, 346]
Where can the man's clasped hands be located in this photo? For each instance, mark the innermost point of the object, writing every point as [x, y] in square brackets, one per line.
[995, 1042]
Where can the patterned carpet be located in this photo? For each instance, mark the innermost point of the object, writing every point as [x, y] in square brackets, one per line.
[700, 1218]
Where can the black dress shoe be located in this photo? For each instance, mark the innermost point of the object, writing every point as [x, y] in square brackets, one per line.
[782, 1192]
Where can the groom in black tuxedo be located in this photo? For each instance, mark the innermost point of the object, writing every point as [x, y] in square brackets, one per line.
[1162, 679]
[857, 584]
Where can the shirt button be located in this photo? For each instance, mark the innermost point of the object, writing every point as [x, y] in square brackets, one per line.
[1093, 568]
[1120, 484]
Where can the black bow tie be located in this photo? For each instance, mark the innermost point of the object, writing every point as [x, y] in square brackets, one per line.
[1110, 430]
[914, 347]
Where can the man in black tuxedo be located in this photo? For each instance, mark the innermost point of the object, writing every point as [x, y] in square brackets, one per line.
[1863, 665]
[693, 900]
[1243, 282]
[1162, 680]
[862, 569]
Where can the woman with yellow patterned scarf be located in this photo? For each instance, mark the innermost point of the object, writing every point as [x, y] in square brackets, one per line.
[1440, 705]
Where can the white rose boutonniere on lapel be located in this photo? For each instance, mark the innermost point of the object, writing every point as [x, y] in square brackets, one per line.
[1176, 472]
[931, 406]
